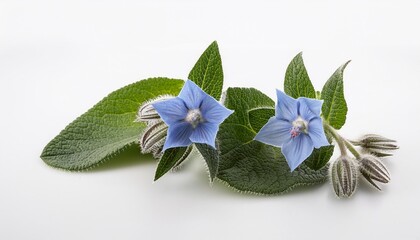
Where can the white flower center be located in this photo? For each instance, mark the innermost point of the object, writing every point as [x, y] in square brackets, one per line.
[194, 117]
[298, 126]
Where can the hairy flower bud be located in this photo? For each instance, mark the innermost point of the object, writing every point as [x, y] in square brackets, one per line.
[153, 138]
[377, 145]
[344, 176]
[147, 112]
[372, 168]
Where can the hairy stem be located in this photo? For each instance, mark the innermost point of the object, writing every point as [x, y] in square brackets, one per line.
[342, 143]
[351, 148]
[338, 139]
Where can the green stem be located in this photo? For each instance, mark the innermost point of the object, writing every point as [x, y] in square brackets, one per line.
[351, 148]
[338, 139]
[342, 143]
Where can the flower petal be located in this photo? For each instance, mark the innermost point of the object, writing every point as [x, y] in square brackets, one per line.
[275, 132]
[205, 133]
[297, 150]
[178, 135]
[287, 107]
[213, 111]
[316, 133]
[192, 95]
[172, 110]
[309, 108]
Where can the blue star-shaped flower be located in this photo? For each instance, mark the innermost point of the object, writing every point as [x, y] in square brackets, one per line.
[193, 116]
[296, 128]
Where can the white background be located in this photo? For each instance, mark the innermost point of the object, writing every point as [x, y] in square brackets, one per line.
[57, 59]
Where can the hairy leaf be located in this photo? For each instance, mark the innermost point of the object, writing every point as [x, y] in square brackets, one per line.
[334, 109]
[170, 159]
[211, 156]
[207, 73]
[258, 117]
[252, 166]
[182, 159]
[319, 157]
[297, 82]
[107, 127]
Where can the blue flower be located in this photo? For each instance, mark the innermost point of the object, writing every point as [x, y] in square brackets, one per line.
[296, 128]
[193, 116]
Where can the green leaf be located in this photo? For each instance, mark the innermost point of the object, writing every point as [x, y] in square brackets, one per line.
[169, 159]
[319, 157]
[258, 117]
[334, 109]
[211, 156]
[297, 82]
[207, 73]
[181, 160]
[106, 128]
[252, 166]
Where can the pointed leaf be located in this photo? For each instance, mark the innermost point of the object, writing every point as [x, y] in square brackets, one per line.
[106, 128]
[207, 73]
[297, 82]
[169, 159]
[211, 156]
[334, 109]
[252, 166]
[183, 158]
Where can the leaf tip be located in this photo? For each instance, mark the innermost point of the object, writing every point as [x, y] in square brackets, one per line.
[345, 64]
[298, 57]
[42, 156]
[157, 176]
[213, 46]
[46, 157]
[211, 183]
[212, 177]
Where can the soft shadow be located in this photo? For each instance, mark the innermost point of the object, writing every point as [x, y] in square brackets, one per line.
[222, 188]
[365, 187]
[304, 189]
[129, 157]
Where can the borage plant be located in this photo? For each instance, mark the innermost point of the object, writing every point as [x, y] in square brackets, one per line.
[248, 141]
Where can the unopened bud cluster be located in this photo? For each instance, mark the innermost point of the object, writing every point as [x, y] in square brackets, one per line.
[367, 163]
[153, 137]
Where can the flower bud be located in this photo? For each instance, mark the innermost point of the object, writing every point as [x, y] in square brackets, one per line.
[344, 176]
[147, 112]
[372, 168]
[377, 145]
[153, 138]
